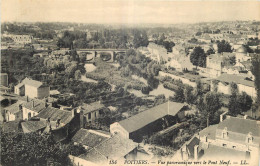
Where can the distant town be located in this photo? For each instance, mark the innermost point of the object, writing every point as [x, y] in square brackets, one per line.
[99, 94]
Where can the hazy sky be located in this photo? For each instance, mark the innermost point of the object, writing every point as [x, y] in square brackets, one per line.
[128, 11]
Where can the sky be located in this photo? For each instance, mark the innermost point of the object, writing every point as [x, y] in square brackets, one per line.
[128, 11]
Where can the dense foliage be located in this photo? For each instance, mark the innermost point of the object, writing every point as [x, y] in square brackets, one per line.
[35, 149]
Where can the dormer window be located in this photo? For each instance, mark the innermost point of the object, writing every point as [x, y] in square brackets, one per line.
[225, 133]
[249, 138]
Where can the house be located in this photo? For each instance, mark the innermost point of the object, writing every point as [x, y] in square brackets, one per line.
[148, 121]
[61, 124]
[33, 126]
[243, 83]
[216, 62]
[242, 55]
[32, 108]
[21, 39]
[32, 89]
[91, 111]
[114, 148]
[14, 111]
[90, 138]
[233, 139]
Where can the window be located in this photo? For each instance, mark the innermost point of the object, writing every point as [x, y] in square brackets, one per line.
[224, 145]
[225, 133]
[95, 114]
[29, 115]
[249, 138]
[89, 115]
[234, 147]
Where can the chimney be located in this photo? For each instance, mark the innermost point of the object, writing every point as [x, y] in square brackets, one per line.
[221, 117]
[81, 119]
[196, 151]
[46, 104]
[245, 116]
[27, 98]
[20, 107]
[72, 112]
[33, 104]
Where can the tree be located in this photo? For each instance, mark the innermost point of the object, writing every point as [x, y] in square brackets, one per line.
[199, 33]
[224, 46]
[198, 57]
[244, 101]
[239, 103]
[35, 149]
[189, 97]
[255, 69]
[212, 104]
[77, 74]
[140, 39]
[199, 88]
[179, 94]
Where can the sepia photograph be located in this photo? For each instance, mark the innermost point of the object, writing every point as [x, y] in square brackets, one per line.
[130, 82]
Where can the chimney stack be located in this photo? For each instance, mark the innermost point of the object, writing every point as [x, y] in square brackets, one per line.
[196, 151]
[72, 112]
[27, 98]
[245, 116]
[33, 104]
[81, 123]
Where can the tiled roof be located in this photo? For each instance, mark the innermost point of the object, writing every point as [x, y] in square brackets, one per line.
[216, 152]
[236, 79]
[239, 125]
[14, 108]
[90, 138]
[54, 114]
[94, 156]
[11, 127]
[113, 148]
[32, 82]
[210, 132]
[92, 107]
[19, 85]
[146, 117]
[32, 126]
[34, 105]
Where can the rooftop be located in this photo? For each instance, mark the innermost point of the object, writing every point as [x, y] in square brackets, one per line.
[148, 116]
[236, 79]
[32, 126]
[210, 132]
[35, 105]
[32, 82]
[113, 148]
[54, 114]
[87, 108]
[11, 127]
[239, 125]
[216, 152]
[90, 138]
[14, 108]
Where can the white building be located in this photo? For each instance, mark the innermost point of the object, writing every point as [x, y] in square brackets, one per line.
[32, 89]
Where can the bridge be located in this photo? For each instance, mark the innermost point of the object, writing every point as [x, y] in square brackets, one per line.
[107, 55]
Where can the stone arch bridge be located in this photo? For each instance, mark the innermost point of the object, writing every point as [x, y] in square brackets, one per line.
[107, 55]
